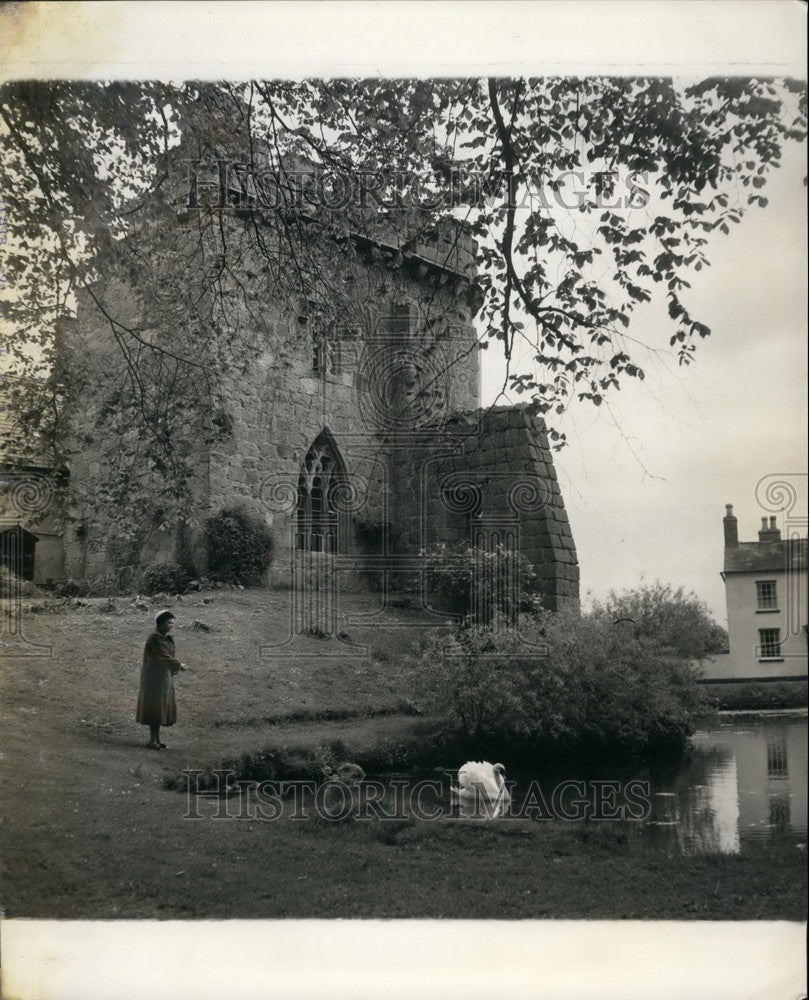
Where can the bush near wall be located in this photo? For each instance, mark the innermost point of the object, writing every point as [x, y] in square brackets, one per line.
[240, 547]
[165, 578]
[465, 580]
[95, 586]
[12, 586]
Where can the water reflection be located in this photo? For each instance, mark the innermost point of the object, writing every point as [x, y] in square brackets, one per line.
[742, 782]
[701, 811]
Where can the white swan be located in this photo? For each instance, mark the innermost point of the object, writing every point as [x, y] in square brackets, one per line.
[481, 789]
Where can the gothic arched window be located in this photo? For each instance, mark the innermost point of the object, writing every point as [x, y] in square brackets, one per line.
[317, 514]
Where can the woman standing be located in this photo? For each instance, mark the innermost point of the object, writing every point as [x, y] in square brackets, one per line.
[156, 704]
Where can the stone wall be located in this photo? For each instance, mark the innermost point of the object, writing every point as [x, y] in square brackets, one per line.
[486, 476]
[282, 404]
[405, 360]
[108, 532]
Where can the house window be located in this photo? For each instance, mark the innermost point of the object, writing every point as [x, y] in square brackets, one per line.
[769, 643]
[766, 595]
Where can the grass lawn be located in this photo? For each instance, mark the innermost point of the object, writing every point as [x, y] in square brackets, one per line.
[88, 830]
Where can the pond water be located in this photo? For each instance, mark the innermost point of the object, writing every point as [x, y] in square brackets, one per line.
[743, 779]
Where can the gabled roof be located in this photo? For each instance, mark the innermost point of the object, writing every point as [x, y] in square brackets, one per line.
[767, 557]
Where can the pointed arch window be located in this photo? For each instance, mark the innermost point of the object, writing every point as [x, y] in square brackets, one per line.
[317, 513]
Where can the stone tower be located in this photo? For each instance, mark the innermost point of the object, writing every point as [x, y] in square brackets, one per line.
[353, 430]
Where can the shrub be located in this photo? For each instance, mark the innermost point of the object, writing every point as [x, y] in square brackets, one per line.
[123, 551]
[240, 547]
[72, 588]
[108, 586]
[11, 585]
[96, 586]
[165, 577]
[756, 695]
[480, 677]
[675, 619]
[466, 580]
[582, 682]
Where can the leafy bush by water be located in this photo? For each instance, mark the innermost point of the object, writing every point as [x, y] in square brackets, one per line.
[269, 764]
[674, 619]
[756, 695]
[583, 682]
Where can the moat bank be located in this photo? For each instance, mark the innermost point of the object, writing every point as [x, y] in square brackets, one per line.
[89, 831]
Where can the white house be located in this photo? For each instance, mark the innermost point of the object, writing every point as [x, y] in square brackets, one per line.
[766, 593]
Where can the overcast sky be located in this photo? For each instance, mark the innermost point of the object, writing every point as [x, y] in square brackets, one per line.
[645, 481]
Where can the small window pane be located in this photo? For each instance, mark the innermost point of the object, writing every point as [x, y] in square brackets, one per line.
[770, 642]
[766, 595]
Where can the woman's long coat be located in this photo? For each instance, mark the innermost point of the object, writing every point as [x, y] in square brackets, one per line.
[156, 703]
